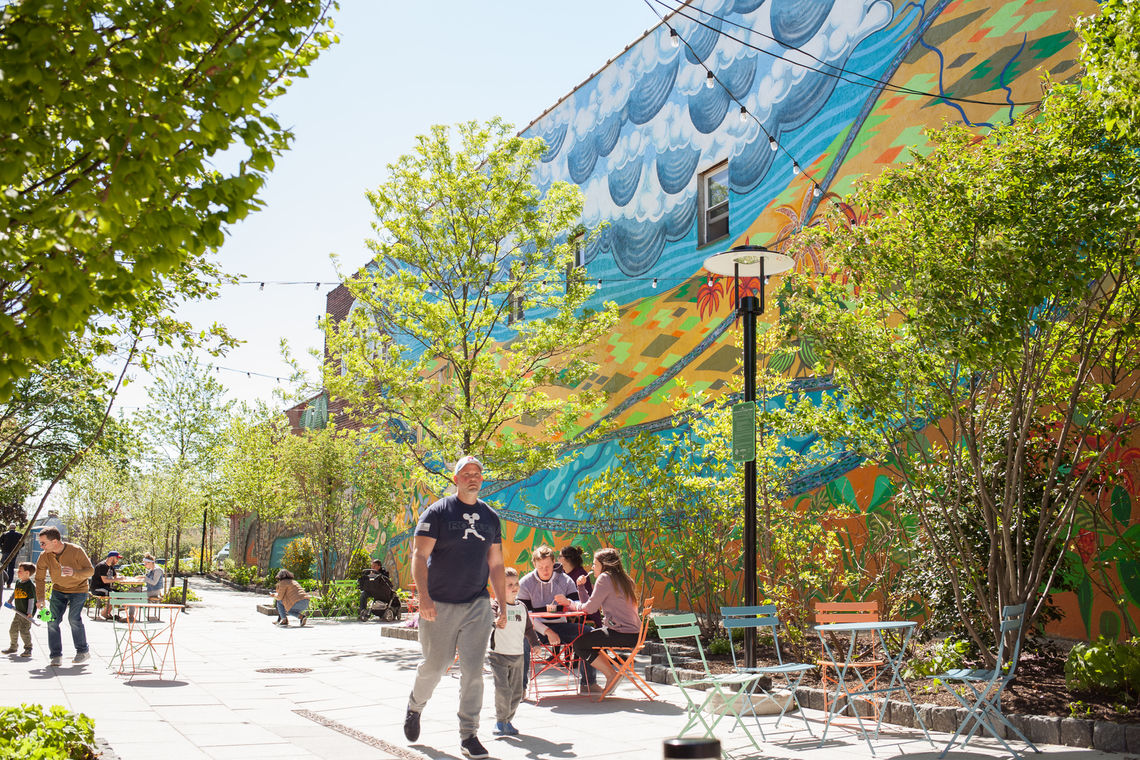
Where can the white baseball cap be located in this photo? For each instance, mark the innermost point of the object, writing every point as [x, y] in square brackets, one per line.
[463, 462]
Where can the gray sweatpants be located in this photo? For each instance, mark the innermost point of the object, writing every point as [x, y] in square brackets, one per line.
[463, 628]
[508, 672]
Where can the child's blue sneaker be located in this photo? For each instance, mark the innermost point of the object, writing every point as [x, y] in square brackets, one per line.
[501, 728]
[509, 729]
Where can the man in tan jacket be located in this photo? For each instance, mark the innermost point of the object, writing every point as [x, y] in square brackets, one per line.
[70, 571]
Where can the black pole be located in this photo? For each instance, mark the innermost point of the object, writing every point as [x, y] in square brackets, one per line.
[202, 553]
[749, 308]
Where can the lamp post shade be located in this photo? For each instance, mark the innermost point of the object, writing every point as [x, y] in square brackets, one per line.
[748, 261]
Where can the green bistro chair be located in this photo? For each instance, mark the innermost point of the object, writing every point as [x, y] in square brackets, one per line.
[734, 690]
[788, 673]
[983, 706]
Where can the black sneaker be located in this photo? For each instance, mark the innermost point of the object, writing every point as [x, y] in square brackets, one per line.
[472, 748]
[412, 726]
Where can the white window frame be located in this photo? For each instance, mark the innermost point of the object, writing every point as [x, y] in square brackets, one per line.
[718, 214]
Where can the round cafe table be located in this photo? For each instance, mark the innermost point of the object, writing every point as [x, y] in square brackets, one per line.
[553, 667]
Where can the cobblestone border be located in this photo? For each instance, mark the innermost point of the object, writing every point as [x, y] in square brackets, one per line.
[1070, 732]
[360, 736]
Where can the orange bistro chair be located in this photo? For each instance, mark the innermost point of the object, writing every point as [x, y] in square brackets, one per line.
[866, 663]
[623, 658]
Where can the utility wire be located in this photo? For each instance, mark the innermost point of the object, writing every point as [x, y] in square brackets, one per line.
[842, 72]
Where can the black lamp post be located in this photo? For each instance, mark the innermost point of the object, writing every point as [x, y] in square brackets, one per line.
[749, 261]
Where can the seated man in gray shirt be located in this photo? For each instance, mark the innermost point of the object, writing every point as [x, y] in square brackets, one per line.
[537, 591]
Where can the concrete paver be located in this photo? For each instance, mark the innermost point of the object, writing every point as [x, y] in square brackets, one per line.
[351, 702]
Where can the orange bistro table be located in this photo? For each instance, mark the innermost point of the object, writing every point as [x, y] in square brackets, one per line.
[149, 639]
[553, 666]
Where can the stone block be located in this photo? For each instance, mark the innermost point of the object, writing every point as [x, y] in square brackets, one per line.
[1132, 735]
[1042, 729]
[1109, 737]
[1076, 732]
[899, 713]
[944, 719]
[811, 699]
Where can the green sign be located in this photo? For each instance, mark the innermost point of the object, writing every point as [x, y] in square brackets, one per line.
[744, 432]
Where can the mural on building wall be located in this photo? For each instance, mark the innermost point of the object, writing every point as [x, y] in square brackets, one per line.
[842, 88]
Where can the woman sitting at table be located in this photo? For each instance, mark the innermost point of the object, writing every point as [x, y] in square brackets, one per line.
[615, 596]
[572, 565]
[154, 578]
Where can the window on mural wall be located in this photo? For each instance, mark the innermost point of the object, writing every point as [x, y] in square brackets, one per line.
[714, 204]
[574, 268]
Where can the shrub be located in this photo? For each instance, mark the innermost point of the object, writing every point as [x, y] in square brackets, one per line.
[298, 558]
[719, 646]
[134, 568]
[946, 655]
[173, 595]
[30, 731]
[339, 599]
[309, 584]
[357, 563]
[1108, 667]
[243, 575]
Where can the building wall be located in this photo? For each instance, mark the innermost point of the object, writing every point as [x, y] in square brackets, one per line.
[636, 137]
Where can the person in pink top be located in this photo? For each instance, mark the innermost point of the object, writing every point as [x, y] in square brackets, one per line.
[615, 596]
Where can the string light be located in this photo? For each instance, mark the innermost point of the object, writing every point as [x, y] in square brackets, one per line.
[743, 114]
[772, 143]
[816, 190]
[710, 79]
[655, 283]
[262, 286]
[795, 167]
[674, 38]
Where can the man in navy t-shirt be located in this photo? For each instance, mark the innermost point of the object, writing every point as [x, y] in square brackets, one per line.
[457, 547]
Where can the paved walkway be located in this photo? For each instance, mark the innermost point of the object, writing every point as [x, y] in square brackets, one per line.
[350, 705]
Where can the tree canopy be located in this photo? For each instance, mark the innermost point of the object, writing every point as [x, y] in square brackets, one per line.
[470, 330]
[1112, 64]
[117, 117]
[984, 339]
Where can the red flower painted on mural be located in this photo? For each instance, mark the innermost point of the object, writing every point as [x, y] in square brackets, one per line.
[709, 294]
[1086, 544]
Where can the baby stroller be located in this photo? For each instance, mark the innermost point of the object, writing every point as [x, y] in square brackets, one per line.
[378, 596]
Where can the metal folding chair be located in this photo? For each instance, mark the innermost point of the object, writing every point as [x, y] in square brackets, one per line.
[764, 617]
[733, 690]
[983, 707]
[623, 659]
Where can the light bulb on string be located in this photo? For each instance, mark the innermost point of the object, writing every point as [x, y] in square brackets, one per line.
[674, 38]
[317, 286]
[743, 114]
[795, 167]
[772, 142]
[599, 284]
[655, 283]
[710, 79]
[815, 190]
[262, 286]
[710, 281]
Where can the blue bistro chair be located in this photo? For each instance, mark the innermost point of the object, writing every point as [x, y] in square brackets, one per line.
[785, 676]
[983, 705]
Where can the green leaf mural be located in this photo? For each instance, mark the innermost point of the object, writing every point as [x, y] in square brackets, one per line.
[1121, 505]
[842, 494]
[1129, 571]
[883, 493]
[1084, 602]
[1110, 625]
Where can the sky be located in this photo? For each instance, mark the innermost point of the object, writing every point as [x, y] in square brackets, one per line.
[399, 68]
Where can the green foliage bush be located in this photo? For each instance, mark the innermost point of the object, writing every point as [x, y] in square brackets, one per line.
[309, 584]
[243, 575]
[173, 595]
[298, 557]
[946, 655]
[339, 599]
[30, 732]
[357, 564]
[134, 568]
[1108, 667]
[719, 646]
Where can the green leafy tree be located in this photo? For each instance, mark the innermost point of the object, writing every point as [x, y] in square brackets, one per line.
[93, 507]
[468, 335]
[987, 349]
[115, 115]
[186, 413]
[1112, 64]
[250, 470]
[337, 481]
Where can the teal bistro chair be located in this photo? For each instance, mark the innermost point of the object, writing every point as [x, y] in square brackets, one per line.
[785, 677]
[723, 695]
[983, 704]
